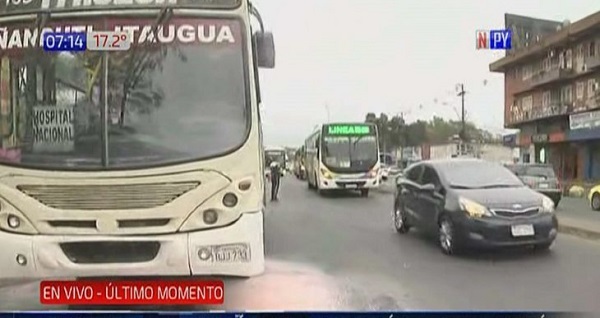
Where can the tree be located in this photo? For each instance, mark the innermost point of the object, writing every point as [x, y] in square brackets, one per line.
[416, 133]
[394, 132]
[391, 130]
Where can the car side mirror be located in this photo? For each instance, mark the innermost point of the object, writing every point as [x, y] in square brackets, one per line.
[265, 49]
[430, 187]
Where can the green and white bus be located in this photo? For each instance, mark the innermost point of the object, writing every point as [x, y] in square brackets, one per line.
[343, 156]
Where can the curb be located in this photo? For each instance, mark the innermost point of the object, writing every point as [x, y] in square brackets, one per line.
[578, 231]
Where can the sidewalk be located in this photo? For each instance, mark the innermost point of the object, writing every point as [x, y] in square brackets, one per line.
[575, 216]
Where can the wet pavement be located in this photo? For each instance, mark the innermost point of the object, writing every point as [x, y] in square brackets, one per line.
[340, 253]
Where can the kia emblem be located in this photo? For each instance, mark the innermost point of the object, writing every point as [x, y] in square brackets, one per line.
[517, 206]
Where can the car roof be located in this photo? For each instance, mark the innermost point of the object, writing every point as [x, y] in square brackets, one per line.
[543, 165]
[453, 161]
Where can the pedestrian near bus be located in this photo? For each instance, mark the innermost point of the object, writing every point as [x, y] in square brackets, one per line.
[276, 175]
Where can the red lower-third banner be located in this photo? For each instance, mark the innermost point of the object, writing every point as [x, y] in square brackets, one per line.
[186, 292]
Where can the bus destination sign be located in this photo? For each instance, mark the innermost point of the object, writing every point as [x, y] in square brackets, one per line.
[343, 130]
[25, 6]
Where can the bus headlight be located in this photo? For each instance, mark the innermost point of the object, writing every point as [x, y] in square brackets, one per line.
[230, 200]
[326, 174]
[373, 173]
[210, 216]
[14, 221]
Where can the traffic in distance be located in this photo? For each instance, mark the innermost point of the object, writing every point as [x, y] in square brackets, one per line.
[466, 202]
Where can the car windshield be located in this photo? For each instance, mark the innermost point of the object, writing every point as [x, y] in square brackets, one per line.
[180, 99]
[476, 174]
[352, 152]
[539, 171]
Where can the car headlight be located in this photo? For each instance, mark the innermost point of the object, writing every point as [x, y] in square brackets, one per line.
[326, 174]
[547, 205]
[473, 209]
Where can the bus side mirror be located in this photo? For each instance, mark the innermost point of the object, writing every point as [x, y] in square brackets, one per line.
[265, 47]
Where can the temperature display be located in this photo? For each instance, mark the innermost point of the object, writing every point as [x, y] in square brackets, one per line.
[109, 41]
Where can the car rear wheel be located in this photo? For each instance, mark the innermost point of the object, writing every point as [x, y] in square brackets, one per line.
[595, 202]
[399, 219]
[447, 237]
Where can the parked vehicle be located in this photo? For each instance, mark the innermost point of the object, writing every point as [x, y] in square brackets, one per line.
[594, 198]
[539, 177]
[472, 203]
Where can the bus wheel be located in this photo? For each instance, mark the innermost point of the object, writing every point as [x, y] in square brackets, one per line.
[364, 193]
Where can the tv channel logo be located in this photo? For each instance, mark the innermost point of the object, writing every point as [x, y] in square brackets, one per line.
[493, 39]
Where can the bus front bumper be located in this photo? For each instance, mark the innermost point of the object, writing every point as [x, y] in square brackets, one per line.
[235, 250]
[349, 184]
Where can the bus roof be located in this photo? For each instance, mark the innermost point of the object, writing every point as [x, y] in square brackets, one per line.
[35, 6]
[274, 148]
[348, 123]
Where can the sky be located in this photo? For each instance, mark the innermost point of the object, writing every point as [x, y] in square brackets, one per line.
[337, 60]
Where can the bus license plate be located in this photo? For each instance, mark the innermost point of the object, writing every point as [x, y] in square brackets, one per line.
[231, 253]
[522, 230]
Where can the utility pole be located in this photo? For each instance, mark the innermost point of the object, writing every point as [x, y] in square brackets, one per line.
[463, 132]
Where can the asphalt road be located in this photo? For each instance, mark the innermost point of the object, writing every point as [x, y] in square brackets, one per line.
[340, 252]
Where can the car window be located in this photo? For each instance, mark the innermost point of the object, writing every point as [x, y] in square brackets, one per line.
[540, 171]
[414, 173]
[430, 176]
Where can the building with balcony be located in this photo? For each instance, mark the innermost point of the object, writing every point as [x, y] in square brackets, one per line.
[552, 95]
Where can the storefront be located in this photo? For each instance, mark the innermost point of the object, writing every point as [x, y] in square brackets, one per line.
[526, 149]
[541, 148]
[584, 132]
[551, 149]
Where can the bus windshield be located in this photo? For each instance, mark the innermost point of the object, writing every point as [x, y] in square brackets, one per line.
[351, 153]
[174, 97]
[275, 156]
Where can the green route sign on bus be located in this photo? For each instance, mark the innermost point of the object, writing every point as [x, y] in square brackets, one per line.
[348, 129]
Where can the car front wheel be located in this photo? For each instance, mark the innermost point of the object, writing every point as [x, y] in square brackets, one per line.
[447, 237]
[399, 218]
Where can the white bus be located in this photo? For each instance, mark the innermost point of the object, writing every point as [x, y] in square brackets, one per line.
[343, 156]
[277, 154]
[144, 162]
